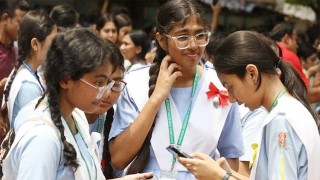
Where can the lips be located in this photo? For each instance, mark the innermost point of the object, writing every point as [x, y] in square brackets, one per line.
[192, 56]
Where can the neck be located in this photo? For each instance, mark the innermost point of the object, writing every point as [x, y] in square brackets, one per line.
[31, 61]
[4, 38]
[91, 117]
[271, 93]
[66, 109]
[187, 78]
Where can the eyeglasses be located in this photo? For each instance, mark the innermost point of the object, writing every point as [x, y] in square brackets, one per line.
[183, 42]
[118, 86]
[102, 89]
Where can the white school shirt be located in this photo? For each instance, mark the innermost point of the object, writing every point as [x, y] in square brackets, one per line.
[23, 76]
[38, 153]
[251, 123]
[210, 124]
[297, 155]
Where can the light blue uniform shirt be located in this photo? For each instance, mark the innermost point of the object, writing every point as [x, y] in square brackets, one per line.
[28, 92]
[295, 155]
[39, 154]
[230, 144]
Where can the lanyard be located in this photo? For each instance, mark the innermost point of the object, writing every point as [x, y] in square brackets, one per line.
[275, 102]
[100, 123]
[33, 73]
[185, 120]
[79, 130]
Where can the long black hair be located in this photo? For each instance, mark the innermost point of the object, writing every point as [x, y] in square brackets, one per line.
[71, 55]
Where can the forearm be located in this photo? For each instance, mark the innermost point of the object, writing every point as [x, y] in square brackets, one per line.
[233, 163]
[313, 94]
[126, 145]
[244, 168]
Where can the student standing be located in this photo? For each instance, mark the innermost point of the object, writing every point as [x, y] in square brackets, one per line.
[287, 145]
[176, 84]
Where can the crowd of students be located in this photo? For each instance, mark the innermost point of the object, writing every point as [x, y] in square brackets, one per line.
[102, 103]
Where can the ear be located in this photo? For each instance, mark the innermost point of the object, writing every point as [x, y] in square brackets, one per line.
[286, 39]
[252, 72]
[5, 17]
[162, 41]
[138, 49]
[35, 44]
[66, 83]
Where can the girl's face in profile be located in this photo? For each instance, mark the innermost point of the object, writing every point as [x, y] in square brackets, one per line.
[189, 57]
[128, 49]
[124, 31]
[242, 91]
[109, 99]
[82, 93]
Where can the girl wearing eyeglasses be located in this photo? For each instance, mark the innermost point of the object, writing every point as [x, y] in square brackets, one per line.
[100, 121]
[174, 102]
[54, 140]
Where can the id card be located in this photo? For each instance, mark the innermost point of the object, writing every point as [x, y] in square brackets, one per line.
[169, 175]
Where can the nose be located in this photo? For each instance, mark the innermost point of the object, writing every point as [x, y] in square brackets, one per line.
[192, 43]
[107, 94]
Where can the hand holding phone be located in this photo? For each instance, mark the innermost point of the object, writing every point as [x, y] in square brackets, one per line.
[174, 151]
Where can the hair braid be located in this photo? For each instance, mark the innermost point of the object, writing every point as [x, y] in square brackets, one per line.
[69, 151]
[143, 156]
[16, 68]
[108, 170]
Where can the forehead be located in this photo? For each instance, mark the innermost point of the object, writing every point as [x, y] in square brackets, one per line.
[192, 23]
[228, 79]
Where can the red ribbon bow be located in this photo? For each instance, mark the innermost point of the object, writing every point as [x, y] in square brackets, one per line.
[223, 95]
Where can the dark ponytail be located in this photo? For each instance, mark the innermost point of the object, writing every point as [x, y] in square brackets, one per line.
[295, 85]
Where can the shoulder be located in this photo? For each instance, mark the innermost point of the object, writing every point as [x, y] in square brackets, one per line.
[138, 68]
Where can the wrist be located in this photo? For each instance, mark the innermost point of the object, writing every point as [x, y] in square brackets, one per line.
[227, 175]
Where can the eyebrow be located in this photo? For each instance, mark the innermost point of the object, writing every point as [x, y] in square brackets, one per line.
[185, 30]
[101, 76]
[117, 78]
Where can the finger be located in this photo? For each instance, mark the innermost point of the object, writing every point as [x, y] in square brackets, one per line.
[200, 156]
[173, 67]
[165, 62]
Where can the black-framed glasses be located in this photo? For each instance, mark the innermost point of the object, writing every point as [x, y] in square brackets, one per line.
[183, 41]
[118, 86]
[102, 89]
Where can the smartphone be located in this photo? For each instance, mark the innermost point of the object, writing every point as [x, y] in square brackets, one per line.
[174, 151]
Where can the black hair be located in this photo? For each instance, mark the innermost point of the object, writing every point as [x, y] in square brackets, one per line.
[140, 38]
[117, 61]
[171, 14]
[102, 20]
[72, 54]
[280, 30]
[35, 24]
[215, 40]
[245, 47]
[122, 20]
[65, 16]
[305, 50]
[9, 6]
